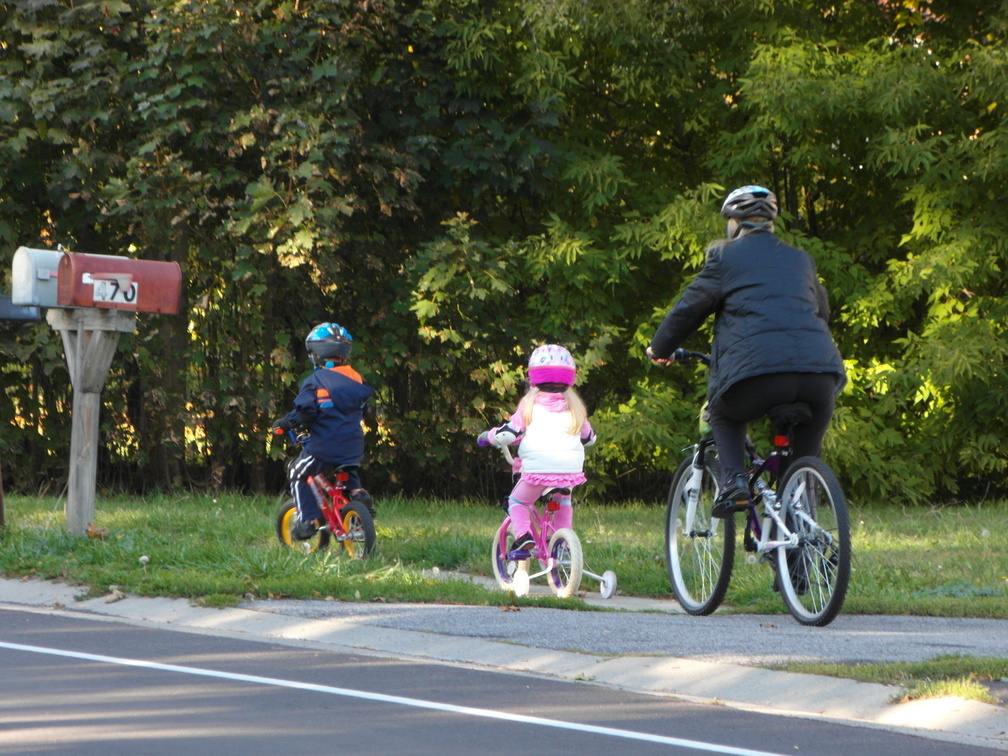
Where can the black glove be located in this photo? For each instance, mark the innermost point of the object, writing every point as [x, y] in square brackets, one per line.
[281, 426]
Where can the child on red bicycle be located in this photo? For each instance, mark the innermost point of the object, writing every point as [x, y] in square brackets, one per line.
[330, 406]
[552, 422]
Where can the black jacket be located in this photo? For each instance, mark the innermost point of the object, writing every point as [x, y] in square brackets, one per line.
[771, 313]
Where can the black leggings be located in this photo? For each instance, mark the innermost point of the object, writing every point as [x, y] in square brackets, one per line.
[749, 400]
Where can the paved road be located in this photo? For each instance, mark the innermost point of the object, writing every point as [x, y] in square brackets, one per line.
[90, 686]
[643, 646]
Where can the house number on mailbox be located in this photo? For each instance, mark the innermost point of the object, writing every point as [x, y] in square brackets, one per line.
[110, 290]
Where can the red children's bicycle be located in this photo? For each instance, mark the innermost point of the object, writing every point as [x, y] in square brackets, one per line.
[347, 520]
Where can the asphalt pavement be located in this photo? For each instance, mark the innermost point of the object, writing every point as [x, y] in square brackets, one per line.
[647, 646]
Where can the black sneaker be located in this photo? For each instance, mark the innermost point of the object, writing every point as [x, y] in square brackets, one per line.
[304, 530]
[524, 542]
[364, 498]
[734, 498]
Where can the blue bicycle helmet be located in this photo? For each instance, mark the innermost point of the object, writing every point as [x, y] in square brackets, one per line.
[329, 344]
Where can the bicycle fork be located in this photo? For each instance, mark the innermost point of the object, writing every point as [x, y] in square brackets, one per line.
[692, 487]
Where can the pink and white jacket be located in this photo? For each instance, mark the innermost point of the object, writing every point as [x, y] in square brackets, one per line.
[550, 454]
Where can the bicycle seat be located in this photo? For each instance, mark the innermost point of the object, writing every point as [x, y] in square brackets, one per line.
[783, 417]
[330, 471]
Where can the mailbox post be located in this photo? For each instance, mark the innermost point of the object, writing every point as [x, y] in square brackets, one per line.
[92, 299]
[90, 338]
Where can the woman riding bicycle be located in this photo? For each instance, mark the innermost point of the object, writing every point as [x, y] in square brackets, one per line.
[772, 344]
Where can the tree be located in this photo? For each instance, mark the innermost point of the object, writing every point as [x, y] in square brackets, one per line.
[457, 182]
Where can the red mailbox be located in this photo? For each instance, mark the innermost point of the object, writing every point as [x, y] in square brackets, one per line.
[119, 283]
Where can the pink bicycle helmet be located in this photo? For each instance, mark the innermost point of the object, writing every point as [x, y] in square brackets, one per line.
[551, 363]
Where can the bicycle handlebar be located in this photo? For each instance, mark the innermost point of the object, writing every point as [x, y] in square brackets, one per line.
[297, 437]
[507, 455]
[685, 355]
[484, 440]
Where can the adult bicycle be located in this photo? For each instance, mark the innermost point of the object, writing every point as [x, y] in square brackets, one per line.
[798, 523]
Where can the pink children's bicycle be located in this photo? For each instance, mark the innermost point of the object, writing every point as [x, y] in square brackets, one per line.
[557, 551]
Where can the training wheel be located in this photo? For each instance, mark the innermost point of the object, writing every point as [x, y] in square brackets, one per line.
[608, 587]
[520, 584]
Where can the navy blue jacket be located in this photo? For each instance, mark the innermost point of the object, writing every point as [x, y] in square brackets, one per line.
[771, 313]
[331, 406]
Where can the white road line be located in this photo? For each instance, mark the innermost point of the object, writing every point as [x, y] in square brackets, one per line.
[398, 700]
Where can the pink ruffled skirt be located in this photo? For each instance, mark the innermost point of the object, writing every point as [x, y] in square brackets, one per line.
[557, 480]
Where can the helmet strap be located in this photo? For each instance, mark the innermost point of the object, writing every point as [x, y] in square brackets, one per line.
[552, 388]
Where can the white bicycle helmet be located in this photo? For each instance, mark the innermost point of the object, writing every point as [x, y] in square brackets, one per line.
[749, 208]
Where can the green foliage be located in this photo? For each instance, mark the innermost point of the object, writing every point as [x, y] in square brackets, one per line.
[456, 186]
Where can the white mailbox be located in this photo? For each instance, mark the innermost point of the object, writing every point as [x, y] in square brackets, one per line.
[35, 277]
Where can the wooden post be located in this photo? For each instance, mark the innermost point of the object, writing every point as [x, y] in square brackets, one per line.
[90, 337]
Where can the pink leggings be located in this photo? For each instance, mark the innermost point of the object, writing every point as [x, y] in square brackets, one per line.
[526, 494]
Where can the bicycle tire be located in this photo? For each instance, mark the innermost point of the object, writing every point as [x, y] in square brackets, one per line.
[813, 577]
[287, 519]
[568, 563]
[699, 559]
[503, 569]
[360, 530]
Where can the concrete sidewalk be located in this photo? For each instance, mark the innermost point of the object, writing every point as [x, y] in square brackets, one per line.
[499, 638]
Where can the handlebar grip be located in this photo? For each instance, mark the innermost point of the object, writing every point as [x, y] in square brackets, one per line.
[685, 355]
[483, 439]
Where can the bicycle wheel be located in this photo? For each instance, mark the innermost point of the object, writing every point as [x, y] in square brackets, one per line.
[813, 577]
[360, 530]
[503, 569]
[287, 519]
[699, 549]
[568, 563]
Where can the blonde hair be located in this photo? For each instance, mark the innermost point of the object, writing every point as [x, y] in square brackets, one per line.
[579, 413]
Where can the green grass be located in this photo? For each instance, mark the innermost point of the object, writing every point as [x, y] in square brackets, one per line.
[949, 675]
[914, 561]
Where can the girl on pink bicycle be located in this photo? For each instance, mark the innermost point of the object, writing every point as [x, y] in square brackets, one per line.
[552, 423]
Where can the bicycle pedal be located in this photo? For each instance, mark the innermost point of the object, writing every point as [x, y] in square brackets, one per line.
[725, 509]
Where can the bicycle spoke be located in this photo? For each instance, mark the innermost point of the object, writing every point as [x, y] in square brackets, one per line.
[813, 575]
[699, 550]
